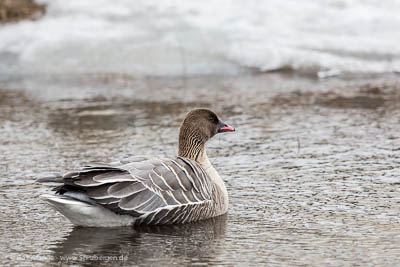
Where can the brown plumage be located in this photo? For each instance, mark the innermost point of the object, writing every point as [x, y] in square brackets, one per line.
[197, 128]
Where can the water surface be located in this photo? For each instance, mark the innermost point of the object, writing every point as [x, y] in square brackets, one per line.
[312, 170]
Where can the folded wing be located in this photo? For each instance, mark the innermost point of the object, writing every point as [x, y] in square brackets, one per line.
[156, 191]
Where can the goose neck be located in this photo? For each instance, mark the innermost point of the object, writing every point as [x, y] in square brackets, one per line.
[192, 148]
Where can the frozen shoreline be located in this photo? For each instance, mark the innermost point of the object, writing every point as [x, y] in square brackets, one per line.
[202, 38]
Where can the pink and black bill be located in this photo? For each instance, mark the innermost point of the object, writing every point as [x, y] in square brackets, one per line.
[223, 127]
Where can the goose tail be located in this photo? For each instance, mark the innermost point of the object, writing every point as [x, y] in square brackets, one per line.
[50, 177]
[83, 213]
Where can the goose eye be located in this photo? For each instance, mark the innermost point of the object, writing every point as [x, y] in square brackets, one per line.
[213, 119]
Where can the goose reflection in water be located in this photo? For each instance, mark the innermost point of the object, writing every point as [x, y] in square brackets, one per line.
[197, 242]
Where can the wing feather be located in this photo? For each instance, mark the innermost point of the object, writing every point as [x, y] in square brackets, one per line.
[184, 181]
[187, 170]
[158, 191]
[99, 192]
[134, 201]
[189, 195]
[180, 196]
[154, 203]
[125, 189]
[113, 177]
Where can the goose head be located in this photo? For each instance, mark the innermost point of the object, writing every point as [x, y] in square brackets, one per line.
[199, 126]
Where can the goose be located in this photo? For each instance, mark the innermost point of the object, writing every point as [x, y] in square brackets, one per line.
[147, 190]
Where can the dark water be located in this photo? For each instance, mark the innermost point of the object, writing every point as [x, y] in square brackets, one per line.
[312, 171]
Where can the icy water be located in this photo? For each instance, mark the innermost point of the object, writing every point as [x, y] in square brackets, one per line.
[172, 38]
[312, 170]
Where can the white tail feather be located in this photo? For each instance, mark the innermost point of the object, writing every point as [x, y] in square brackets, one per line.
[85, 214]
